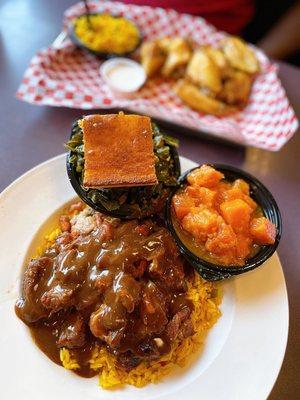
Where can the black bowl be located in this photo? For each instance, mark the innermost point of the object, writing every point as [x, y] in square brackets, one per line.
[76, 40]
[82, 193]
[214, 272]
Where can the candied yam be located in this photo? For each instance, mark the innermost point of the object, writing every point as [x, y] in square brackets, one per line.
[243, 246]
[251, 203]
[219, 213]
[224, 186]
[182, 204]
[221, 190]
[195, 193]
[237, 193]
[232, 194]
[237, 214]
[224, 239]
[202, 195]
[263, 231]
[205, 176]
[207, 196]
[223, 244]
[192, 191]
[242, 185]
[201, 222]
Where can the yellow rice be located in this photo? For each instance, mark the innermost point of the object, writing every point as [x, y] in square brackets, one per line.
[204, 316]
[109, 34]
[206, 297]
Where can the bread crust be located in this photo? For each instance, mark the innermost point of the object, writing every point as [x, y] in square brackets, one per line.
[118, 151]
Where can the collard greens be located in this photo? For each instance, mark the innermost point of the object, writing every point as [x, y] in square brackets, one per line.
[134, 202]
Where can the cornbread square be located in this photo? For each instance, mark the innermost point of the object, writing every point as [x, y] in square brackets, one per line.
[118, 151]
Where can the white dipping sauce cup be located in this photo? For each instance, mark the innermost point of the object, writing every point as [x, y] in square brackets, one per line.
[123, 76]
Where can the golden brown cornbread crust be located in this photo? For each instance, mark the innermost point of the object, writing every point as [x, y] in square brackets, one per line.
[118, 151]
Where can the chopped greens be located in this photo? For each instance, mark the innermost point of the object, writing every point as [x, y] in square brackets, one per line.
[134, 202]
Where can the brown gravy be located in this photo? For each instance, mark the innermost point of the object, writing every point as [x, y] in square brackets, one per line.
[116, 284]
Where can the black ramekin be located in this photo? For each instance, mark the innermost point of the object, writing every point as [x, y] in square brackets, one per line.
[262, 196]
[76, 40]
[74, 180]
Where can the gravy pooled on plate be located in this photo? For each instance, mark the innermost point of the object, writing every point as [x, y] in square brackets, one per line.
[110, 283]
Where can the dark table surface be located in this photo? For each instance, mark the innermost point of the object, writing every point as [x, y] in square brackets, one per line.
[32, 134]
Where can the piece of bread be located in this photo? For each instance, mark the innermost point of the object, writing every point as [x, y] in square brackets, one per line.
[118, 151]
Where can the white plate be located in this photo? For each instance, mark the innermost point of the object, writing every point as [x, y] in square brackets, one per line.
[242, 354]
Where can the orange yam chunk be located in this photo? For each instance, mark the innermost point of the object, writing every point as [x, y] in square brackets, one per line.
[202, 195]
[237, 214]
[205, 176]
[242, 185]
[223, 186]
[243, 246]
[207, 196]
[263, 231]
[223, 244]
[201, 222]
[193, 191]
[237, 193]
[182, 205]
[221, 190]
[251, 203]
[233, 194]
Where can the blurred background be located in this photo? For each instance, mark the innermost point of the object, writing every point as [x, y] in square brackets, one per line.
[272, 25]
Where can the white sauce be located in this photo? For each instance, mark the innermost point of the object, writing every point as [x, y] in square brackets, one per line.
[125, 77]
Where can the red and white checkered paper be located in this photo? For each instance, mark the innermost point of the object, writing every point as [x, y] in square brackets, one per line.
[69, 77]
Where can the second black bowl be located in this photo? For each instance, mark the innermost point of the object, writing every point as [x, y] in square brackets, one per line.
[263, 198]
